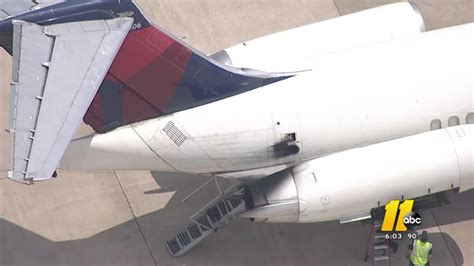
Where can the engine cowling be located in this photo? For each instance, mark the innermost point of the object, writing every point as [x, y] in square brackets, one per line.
[351, 183]
[287, 50]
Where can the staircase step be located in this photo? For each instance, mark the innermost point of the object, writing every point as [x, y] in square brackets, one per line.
[380, 258]
[235, 202]
[377, 224]
[222, 207]
[183, 239]
[173, 246]
[379, 242]
[214, 214]
[229, 205]
[204, 220]
[217, 215]
[193, 231]
[383, 246]
[379, 236]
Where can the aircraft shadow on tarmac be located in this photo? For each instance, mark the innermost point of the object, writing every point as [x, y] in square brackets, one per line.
[239, 243]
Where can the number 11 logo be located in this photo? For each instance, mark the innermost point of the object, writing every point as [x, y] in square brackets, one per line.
[391, 210]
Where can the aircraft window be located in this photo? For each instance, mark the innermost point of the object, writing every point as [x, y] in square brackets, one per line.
[453, 121]
[470, 118]
[435, 124]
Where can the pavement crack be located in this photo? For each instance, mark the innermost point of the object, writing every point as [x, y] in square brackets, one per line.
[147, 244]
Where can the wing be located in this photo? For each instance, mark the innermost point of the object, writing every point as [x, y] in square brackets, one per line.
[57, 71]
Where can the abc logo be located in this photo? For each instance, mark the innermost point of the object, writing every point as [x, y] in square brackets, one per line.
[412, 220]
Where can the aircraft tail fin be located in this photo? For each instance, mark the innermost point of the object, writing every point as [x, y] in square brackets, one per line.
[156, 73]
[100, 61]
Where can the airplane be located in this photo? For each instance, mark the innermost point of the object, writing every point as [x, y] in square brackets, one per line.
[327, 121]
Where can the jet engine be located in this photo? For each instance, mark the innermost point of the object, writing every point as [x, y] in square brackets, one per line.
[347, 185]
[278, 52]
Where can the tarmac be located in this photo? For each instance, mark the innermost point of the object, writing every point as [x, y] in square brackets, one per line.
[125, 217]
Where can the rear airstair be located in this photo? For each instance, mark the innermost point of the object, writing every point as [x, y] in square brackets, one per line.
[378, 248]
[208, 219]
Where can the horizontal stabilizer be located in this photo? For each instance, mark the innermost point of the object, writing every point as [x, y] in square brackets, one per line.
[57, 71]
[11, 8]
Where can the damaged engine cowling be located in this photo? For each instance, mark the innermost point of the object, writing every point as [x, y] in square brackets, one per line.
[347, 185]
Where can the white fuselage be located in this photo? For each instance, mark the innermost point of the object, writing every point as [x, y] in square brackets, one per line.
[347, 99]
[349, 184]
